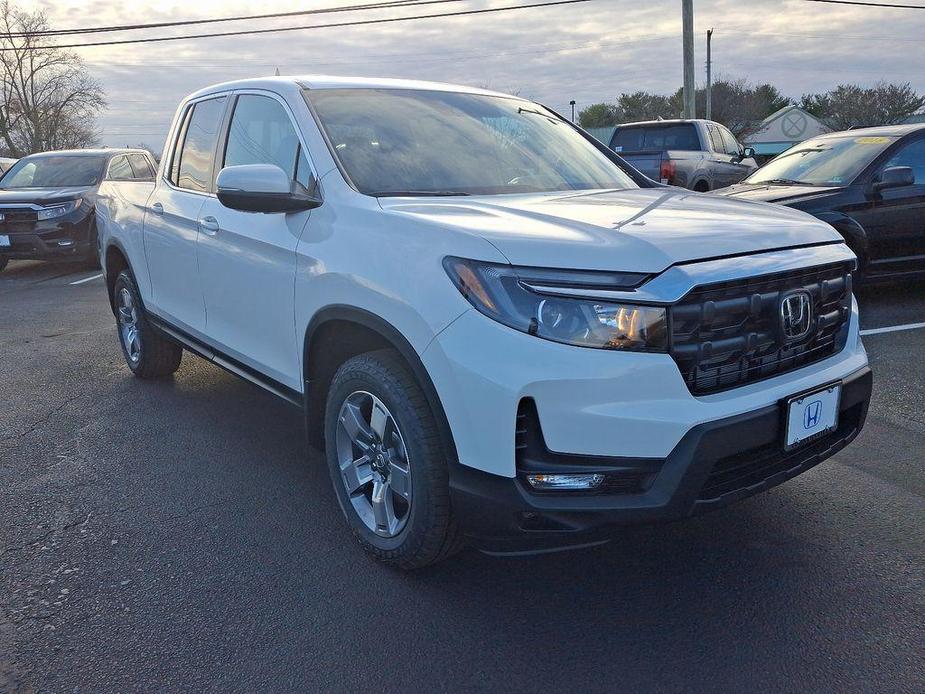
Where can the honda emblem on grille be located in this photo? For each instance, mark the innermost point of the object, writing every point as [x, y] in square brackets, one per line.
[796, 315]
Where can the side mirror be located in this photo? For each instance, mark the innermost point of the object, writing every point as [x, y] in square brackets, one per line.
[748, 153]
[894, 177]
[261, 188]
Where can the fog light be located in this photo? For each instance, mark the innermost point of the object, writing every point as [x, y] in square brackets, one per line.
[565, 482]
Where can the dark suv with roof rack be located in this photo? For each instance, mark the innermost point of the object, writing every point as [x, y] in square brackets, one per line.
[47, 201]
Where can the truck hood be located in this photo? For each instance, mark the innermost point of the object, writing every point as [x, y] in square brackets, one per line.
[42, 196]
[636, 230]
[764, 192]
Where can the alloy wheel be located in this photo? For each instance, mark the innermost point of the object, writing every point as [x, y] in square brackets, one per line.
[374, 466]
[128, 325]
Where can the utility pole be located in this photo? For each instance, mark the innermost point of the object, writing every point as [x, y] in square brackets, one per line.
[709, 113]
[572, 104]
[687, 19]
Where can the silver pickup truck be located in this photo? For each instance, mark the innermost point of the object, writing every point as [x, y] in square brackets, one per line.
[697, 154]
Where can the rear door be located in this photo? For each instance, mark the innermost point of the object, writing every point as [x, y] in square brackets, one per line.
[171, 227]
[247, 260]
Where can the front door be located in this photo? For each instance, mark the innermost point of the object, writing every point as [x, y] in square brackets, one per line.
[896, 226]
[247, 260]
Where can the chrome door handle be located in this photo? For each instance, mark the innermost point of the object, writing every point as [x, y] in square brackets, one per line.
[209, 225]
[157, 208]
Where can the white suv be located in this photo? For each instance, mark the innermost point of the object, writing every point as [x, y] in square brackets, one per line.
[497, 329]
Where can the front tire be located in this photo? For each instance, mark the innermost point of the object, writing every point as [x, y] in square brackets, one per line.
[148, 352]
[387, 462]
[3, 263]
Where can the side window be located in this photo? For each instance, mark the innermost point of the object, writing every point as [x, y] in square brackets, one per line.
[731, 144]
[119, 169]
[913, 155]
[194, 164]
[141, 166]
[262, 133]
[715, 138]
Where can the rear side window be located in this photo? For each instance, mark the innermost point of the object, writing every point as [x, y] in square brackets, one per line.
[119, 169]
[193, 162]
[681, 136]
[141, 166]
[715, 138]
[261, 132]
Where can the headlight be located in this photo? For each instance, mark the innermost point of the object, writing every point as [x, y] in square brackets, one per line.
[501, 292]
[55, 211]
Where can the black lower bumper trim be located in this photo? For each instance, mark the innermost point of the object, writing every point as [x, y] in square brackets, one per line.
[703, 472]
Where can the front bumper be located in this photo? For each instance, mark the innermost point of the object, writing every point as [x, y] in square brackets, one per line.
[714, 464]
[56, 239]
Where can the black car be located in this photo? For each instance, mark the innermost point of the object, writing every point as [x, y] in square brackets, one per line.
[869, 184]
[47, 201]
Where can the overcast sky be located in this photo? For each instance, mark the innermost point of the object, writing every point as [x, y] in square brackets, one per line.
[589, 52]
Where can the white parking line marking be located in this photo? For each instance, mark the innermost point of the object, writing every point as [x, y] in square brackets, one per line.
[87, 279]
[893, 329]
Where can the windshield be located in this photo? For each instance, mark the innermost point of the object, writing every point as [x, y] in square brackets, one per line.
[54, 172]
[831, 161]
[393, 142]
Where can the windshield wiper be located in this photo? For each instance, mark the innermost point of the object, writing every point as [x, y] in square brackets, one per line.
[784, 182]
[416, 193]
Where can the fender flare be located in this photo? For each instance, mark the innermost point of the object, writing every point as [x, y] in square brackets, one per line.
[113, 243]
[853, 233]
[394, 337]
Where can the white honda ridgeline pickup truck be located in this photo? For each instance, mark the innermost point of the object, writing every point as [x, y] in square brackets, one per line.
[498, 330]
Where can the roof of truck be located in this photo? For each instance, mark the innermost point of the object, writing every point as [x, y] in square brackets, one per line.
[336, 82]
[665, 121]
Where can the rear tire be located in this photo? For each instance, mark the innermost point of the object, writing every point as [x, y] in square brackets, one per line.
[147, 351]
[3, 263]
[387, 462]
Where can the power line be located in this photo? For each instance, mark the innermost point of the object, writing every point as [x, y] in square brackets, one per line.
[362, 22]
[444, 56]
[893, 5]
[386, 4]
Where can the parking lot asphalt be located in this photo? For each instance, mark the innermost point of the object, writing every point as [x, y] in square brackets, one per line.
[181, 535]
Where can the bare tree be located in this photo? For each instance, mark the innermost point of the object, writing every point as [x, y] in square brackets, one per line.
[851, 105]
[49, 100]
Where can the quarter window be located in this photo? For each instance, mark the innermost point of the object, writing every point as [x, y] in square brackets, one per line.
[194, 165]
[261, 132]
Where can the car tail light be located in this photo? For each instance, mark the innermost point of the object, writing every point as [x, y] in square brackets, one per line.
[667, 171]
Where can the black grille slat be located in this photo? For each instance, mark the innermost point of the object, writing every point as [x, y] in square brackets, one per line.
[727, 334]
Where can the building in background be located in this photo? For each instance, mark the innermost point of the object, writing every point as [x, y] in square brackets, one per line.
[782, 130]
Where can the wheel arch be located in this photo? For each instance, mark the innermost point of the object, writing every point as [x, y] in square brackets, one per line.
[114, 260]
[701, 185]
[350, 331]
[853, 233]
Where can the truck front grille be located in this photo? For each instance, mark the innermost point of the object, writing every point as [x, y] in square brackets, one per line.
[17, 215]
[729, 334]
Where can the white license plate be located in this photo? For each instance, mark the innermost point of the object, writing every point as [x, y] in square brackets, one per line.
[812, 414]
[4, 241]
